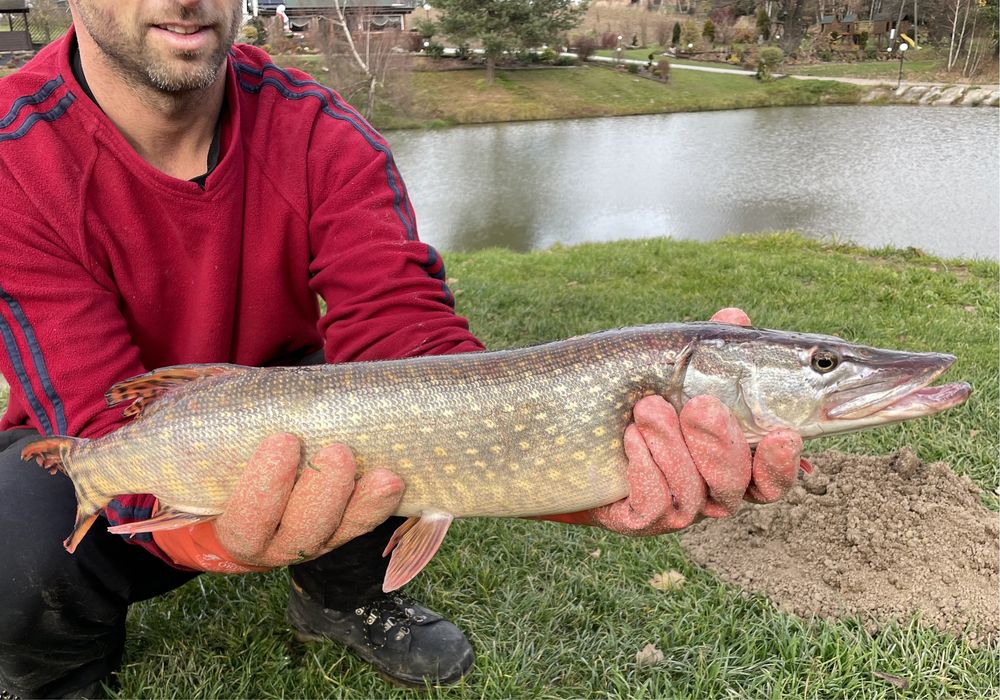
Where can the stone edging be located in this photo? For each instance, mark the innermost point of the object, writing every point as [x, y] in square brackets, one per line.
[936, 95]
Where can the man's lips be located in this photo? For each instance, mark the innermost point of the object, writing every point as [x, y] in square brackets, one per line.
[183, 35]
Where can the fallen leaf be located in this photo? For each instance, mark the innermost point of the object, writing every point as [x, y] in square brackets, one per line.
[649, 656]
[596, 553]
[897, 681]
[973, 433]
[970, 309]
[667, 581]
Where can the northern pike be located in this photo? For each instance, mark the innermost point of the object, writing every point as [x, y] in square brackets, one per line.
[522, 432]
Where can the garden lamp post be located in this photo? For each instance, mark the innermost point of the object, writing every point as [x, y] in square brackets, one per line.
[902, 52]
[618, 50]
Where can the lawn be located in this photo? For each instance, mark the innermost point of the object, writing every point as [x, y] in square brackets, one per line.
[915, 69]
[920, 65]
[463, 97]
[549, 620]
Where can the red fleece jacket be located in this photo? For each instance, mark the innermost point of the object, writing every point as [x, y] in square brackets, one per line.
[110, 268]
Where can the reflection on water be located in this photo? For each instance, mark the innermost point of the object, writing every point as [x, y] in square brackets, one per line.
[900, 176]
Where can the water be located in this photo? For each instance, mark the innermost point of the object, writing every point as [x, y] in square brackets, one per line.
[901, 176]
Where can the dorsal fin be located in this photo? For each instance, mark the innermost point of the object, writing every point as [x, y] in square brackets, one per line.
[146, 388]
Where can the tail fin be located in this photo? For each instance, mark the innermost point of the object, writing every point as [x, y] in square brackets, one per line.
[53, 454]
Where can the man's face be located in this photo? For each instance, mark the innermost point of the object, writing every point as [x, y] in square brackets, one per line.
[170, 45]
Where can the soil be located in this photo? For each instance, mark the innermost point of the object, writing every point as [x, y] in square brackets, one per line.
[879, 539]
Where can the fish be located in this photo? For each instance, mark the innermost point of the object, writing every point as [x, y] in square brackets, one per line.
[530, 431]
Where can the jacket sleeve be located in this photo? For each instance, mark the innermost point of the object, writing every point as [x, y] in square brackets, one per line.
[386, 292]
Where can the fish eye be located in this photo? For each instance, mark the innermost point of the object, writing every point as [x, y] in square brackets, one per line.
[824, 361]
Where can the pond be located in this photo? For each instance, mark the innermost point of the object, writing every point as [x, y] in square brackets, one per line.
[925, 177]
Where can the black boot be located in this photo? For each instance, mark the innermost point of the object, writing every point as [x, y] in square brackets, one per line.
[94, 691]
[400, 638]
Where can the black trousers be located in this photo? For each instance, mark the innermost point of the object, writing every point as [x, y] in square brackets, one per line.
[62, 616]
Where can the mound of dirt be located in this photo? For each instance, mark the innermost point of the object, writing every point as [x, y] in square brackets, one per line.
[872, 538]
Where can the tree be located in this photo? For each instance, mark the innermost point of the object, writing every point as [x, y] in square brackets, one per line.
[49, 16]
[768, 59]
[690, 35]
[676, 35]
[763, 23]
[976, 38]
[708, 31]
[507, 25]
[361, 58]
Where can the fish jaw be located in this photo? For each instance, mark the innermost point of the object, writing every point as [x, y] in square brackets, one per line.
[901, 391]
[897, 376]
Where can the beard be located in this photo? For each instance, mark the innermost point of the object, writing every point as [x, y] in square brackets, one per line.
[144, 64]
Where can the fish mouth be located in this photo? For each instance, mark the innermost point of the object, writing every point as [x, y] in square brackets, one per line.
[898, 390]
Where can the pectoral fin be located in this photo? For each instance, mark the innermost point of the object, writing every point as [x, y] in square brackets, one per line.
[413, 545]
[165, 519]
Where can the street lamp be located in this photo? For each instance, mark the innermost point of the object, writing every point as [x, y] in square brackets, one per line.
[902, 51]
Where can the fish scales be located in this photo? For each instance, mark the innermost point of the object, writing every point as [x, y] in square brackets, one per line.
[531, 431]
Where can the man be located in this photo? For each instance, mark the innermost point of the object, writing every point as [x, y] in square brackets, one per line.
[168, 198]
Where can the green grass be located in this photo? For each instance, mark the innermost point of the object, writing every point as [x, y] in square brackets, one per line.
[916, 70]
[463, 97]
[547, 620]
[920, 65]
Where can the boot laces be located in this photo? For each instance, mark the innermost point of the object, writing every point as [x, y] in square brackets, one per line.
[393, 611]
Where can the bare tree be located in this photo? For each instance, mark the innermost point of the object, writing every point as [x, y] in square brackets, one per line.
[960, 9]
[359, 55]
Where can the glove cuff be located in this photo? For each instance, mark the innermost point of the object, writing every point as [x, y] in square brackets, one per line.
[583, 517]
[197, 547]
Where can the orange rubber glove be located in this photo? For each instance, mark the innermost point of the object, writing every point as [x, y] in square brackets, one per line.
[274, 519]
[693, 465]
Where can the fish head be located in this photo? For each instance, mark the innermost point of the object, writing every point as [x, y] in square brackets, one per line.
[816, 384]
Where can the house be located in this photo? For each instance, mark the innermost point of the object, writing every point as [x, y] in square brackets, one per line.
[381, 14]
[842, 24]
[16, 37]
[883, 25]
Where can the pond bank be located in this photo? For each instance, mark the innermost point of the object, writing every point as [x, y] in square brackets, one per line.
[881, 90]
[463, 97]
[934, 95]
